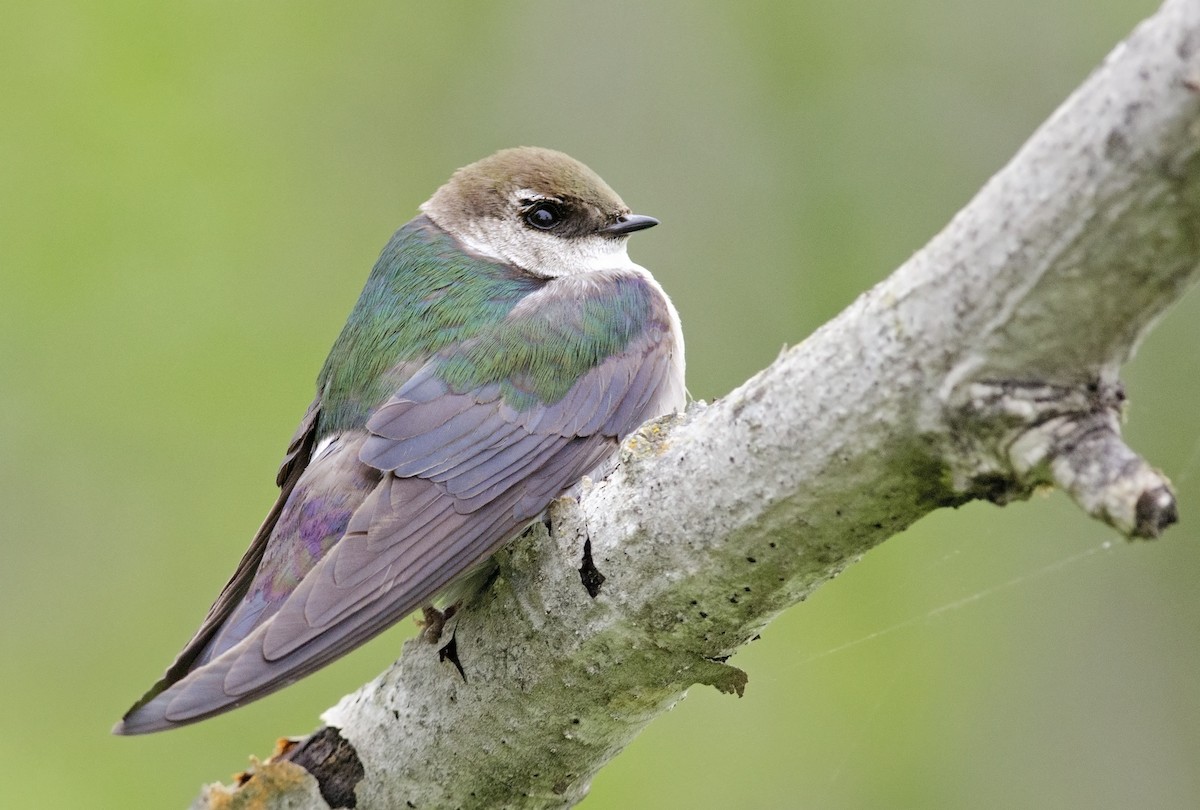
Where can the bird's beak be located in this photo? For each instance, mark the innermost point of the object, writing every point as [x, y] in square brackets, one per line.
[628, 223]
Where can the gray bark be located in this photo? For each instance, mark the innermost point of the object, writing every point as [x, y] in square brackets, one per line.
[985, 367]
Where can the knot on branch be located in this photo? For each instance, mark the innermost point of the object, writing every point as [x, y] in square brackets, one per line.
[1028, 435]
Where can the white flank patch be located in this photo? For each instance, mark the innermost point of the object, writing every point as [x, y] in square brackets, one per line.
[322, 446]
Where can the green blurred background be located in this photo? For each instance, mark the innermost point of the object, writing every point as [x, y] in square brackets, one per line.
[191, 195]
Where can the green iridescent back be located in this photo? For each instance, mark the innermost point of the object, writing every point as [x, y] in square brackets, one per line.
[427, 299]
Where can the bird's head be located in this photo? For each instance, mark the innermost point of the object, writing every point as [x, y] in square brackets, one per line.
[538, 209]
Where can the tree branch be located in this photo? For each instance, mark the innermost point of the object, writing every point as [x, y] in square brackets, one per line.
[985, 367]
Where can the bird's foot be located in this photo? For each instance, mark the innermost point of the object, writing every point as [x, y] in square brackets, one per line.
[433, 621]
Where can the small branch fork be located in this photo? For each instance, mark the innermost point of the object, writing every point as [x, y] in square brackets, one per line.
[1067, 437]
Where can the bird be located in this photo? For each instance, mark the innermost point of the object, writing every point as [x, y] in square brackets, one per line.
[502, 347]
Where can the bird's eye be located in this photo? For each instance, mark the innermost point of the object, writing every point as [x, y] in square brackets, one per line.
[544, 216]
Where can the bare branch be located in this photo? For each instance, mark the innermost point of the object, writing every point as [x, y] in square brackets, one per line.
[985, 367]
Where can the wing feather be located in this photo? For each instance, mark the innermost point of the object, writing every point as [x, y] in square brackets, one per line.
[459, 472]
[198, 650]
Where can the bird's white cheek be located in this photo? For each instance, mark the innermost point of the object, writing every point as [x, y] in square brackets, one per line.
[602, 254]
[545, 254]
[481, 244]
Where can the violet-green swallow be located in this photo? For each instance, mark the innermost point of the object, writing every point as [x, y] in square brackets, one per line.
[503, 346]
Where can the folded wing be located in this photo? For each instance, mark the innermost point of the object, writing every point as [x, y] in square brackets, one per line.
[459, 472]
